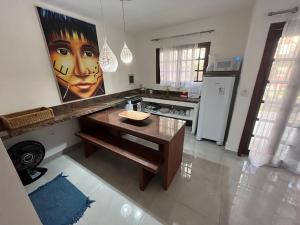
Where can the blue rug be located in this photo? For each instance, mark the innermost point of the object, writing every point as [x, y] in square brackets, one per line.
[59, 202]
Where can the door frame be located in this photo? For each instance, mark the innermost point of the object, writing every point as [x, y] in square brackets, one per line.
[273, 37]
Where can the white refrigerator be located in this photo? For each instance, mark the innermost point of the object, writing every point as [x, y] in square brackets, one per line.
[215, 104]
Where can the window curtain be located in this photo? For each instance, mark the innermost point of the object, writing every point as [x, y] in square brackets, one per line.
[177, 65]
[276, 139]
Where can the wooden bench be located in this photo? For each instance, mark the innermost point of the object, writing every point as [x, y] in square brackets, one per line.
[148, 159]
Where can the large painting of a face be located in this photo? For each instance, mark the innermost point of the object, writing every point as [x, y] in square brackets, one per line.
[74, 52]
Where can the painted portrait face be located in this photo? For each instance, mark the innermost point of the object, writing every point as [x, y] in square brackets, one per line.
[74, 52]
[75, 62]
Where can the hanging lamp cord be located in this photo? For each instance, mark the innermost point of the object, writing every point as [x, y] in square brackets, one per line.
[123, 14]
[102, 20]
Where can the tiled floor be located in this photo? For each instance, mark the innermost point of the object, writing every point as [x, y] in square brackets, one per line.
[213, 187]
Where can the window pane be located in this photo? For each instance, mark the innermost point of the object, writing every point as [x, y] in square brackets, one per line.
[202, 53]
[287, 47]
[184, 54]
[195, 75]
[183, 66]
[201, 64]
[161, 55]
[271, 109]
[190, 54]
[280, 71]
[200, 75]
[274, 92]
[196, 64]
[262, 128]
[188, 66]
[176, 55]
[197, 51]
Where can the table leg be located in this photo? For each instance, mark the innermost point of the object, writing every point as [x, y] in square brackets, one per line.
[172, 152]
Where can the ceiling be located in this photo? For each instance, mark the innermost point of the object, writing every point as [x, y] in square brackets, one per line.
[141, 15]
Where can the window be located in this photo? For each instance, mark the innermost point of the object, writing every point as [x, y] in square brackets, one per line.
[202, 60]
[181, 65]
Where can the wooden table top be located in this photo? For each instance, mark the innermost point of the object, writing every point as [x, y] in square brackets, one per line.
[158, 129]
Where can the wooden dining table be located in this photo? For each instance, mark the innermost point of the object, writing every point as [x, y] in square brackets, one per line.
[104, 130]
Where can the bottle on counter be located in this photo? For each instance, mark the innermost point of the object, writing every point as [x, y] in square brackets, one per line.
[129, 106]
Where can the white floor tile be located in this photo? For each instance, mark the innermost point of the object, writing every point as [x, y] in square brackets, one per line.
[212, 187]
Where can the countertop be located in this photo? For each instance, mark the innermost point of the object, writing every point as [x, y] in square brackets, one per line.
[158, 128]
[71, 110]
[80, 108]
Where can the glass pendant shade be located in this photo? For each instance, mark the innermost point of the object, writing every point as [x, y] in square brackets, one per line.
[108, 60]
[126, 55]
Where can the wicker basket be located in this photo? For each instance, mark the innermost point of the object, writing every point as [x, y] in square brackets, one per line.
[28, 117]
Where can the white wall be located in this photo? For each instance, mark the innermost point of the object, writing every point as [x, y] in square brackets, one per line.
[259, 28]
[229, 39]
[27, 79]
[55, 138]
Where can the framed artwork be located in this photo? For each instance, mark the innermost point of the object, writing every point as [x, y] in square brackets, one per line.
[74, 53]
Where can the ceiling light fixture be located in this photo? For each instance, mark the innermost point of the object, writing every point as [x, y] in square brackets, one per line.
[108, 60]
[126, 55]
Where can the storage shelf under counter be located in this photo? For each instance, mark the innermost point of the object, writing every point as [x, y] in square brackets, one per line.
[193, 108]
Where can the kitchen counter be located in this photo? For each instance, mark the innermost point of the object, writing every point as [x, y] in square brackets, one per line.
[77, 109]
[72, 110]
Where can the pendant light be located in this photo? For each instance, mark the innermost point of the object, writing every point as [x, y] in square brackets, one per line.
[126, 55]
[108, 60]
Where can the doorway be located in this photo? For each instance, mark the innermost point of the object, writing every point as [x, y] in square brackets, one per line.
[261, 83]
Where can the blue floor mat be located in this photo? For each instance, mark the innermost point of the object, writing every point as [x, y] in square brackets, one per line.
[59, 202]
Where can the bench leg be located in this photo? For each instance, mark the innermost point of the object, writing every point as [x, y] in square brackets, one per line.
[88, 149]
[145, 178]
